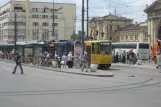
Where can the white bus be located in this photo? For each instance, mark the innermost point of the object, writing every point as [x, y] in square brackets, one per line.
[141, 50]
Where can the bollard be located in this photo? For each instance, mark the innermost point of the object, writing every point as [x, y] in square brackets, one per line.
[93, 67]
[159, 63]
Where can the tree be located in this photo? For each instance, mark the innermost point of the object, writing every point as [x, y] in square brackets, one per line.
[75, 36]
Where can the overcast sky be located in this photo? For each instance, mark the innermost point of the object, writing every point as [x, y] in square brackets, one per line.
[127, 8]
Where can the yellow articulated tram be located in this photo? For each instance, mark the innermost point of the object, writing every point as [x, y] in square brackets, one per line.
[100, 53]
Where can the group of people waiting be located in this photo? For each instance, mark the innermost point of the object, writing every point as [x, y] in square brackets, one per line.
[7, 55]
[125, 57]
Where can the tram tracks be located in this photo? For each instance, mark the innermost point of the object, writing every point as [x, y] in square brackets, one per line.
[144, 84]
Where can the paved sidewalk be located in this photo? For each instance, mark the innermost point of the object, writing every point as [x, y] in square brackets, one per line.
[98, 73]
[143, 66]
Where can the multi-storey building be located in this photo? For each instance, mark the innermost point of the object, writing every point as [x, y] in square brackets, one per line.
[134, 33]
[105, 28]
[34, 21]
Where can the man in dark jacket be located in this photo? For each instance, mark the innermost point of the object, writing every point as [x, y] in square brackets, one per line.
[85, 62]
[18, 63]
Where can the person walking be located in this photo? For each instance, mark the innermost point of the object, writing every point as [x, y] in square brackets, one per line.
[18, 63]
[85, 62]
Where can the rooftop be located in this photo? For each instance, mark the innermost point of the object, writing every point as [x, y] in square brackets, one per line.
[131, 27]
[112, 18]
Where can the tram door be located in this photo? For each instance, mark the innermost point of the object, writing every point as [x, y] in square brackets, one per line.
[88, 50]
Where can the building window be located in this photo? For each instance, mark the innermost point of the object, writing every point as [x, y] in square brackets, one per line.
[55, 24]
[110, 27]
[55, 17]
[19, 23]
[35, 33]
[45, 24]
[56, 32]
[131, 37]
[136, 37]
[126, 37]
[118, 26]
[122, 37]
[44, 16]
[35, 24]
[34, 9]
[145, 35]
[35, 16]
[45, 35]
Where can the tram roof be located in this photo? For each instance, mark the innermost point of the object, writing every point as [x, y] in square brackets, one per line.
[129, 43]
[99, 41]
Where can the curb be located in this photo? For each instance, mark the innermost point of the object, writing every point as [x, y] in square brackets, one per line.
[111, 75]
[94, 75]
[133, 67]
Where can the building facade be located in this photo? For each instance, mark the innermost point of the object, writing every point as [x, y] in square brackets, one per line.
[105, 28]
[34, 21]
[134, 33]
[154, 21]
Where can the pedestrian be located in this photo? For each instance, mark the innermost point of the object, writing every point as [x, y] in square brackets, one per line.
[85, 62]
[59, 61]
[18, 63]
[117, 57]
[123, 57]
[64, 59]
[70, 60]
[128, 58]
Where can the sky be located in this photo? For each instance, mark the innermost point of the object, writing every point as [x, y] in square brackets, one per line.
[133, 9]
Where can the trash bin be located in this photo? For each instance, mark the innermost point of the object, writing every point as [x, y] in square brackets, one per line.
[54, 64]
[93, 67]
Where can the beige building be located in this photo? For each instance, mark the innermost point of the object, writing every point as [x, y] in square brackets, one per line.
[35, 21]
[154, 21]
[134, 33]
[105, 28]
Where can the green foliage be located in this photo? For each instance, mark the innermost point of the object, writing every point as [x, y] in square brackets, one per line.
[75, 36]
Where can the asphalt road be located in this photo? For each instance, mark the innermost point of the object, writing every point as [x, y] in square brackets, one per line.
[130, 87]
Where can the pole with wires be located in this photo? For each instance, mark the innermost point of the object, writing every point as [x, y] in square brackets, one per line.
[15, 31]
[54, 21]
[82, 27]
[87, 18]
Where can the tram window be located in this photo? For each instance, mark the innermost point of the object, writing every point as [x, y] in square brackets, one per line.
[97, 48]
[93, 48]
[105, 48]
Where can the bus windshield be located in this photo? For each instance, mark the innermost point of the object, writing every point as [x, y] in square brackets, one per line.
[105, 48]
[143, 46]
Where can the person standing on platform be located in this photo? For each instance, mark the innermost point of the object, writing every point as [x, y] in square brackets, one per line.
[70, 60]
[64, 59]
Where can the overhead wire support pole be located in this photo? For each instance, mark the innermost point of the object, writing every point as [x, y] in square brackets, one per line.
[54, 21]
[83, 27]
[15, 30]
[87, 18]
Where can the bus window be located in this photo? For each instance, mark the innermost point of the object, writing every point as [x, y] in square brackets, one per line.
[93, 48]
[143, 46]
[105, 48]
